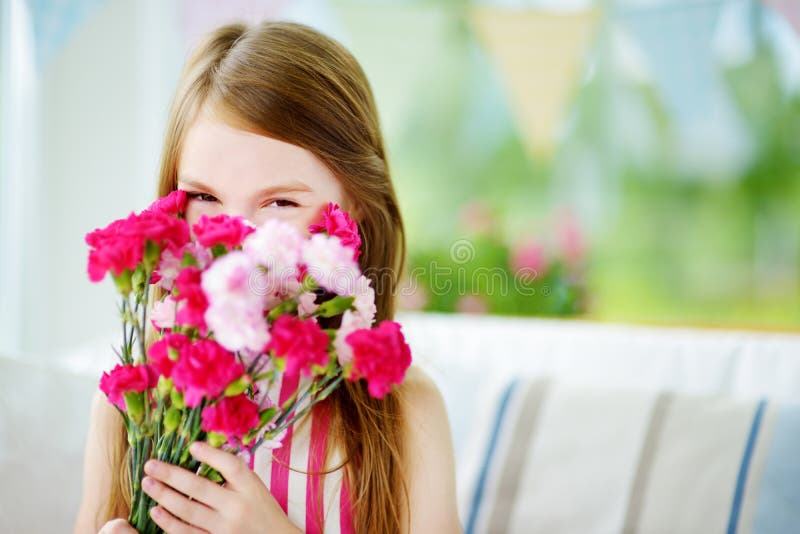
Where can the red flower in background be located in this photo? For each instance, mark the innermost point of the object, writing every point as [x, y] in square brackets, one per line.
[127, 378]
[222, 230]
[338, 223]
[381, 356]
[301, 341]
[204, 369]
[233, 416]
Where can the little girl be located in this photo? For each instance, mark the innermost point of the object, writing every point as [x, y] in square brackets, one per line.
[277, 120]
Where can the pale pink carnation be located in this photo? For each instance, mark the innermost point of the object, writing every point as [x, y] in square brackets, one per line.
[330, 264]
[170, 264]
[365, 299]
[275, 245]
[163, 313]
[235, 311]
[305, 304]
[351, 321]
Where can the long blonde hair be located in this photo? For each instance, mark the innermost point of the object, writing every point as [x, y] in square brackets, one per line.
[292, 83]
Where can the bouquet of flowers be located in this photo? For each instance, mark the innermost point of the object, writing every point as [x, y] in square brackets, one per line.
[235, 309]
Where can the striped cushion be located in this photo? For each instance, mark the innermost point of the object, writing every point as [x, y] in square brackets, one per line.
[550, 457]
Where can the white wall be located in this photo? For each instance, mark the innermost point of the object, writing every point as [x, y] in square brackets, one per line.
[86, 138]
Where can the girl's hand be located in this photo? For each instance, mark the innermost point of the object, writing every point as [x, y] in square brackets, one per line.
[117, 526]
[243, 505]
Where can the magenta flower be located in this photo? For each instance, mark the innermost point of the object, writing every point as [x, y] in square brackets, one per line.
[232, 416]
[173, 204]
[381, 356]
[205, 369]
[114, 249]
[222, 230]
[125, 379]
[192, 302]
[336, 222]
[164, 353]
[301, 341]
[120, 246]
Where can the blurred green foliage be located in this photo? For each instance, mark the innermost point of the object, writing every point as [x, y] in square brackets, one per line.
[665, 243]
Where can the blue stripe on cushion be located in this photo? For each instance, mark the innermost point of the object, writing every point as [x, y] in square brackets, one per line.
[778, 508]
[744, 467]
[477, 497]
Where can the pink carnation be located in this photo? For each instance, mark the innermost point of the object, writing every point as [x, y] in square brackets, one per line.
[126, 378]
[120, 245]
[337, 222]
[173, 204]
[205, 369]
[162, 229]
[301, 341]
[192, 302]
[159, 357]
[222, 230]
[381, 356]
[114, 249]
[233, 416]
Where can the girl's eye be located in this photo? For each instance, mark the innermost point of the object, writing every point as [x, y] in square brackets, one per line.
[283, 203]
[203, 197]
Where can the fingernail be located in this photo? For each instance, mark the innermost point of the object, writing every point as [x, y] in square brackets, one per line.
[155, 511]
[195, 447]
[149, 467]
[147, 483]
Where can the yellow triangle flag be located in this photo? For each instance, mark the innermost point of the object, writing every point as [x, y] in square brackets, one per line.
[539, 55]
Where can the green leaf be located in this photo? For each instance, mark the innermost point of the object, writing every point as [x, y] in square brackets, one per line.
[336, 306]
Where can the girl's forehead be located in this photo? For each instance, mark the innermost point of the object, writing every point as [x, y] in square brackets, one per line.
[217, 154]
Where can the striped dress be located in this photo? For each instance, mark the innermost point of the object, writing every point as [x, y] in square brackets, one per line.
[304, 451]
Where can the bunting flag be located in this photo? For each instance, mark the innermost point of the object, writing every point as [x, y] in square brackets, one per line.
[53, 22]
[540, 56]
[405, 50]
[789, 9]
[677, 43]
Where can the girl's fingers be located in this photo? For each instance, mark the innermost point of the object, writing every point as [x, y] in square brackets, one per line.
[198, 488]
[233, 468]
[173, 525]
[178, 505]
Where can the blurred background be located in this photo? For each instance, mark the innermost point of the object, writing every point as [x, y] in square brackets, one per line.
[633, 161]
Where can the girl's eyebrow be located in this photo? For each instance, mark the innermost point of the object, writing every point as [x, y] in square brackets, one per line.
[289, 187]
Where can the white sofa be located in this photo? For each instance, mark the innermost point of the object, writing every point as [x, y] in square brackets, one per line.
[588, 366]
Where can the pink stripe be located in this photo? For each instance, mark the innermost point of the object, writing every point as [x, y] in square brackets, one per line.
[316, 462]
[345, 512]
[279, 478]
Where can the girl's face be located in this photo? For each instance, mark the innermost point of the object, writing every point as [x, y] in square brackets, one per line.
[231, 171]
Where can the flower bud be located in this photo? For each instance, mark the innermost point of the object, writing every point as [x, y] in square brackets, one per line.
[177, 399]
[238, 386]
[172, 418]
[134, 404]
